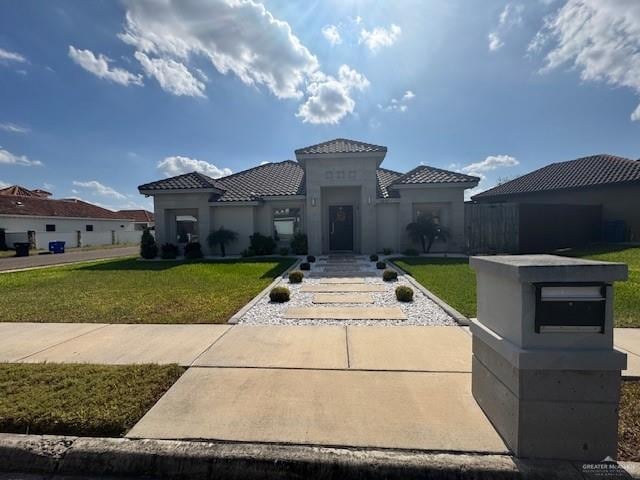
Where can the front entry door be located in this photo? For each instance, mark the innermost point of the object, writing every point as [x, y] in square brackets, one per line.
[341, 228]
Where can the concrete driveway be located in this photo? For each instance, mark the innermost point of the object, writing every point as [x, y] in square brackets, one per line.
[17, 263]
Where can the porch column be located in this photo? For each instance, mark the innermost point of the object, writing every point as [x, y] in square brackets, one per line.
[313, 221]
[160, 219]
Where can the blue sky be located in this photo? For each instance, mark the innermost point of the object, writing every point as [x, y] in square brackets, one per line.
[97, 97]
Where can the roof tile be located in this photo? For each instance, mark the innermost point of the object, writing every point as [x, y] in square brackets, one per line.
[425, 174]
[340, 145]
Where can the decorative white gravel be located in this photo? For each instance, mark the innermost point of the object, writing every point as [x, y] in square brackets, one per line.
[422, 311]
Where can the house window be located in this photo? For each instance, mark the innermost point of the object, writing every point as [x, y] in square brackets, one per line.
[186, 228]
[49, 227]
[426, 210]
[89, 228]
[286, 223]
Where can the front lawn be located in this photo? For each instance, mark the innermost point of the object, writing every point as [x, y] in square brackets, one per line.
[453, 280]
[132, 291]
[90, 400]
[629, 423]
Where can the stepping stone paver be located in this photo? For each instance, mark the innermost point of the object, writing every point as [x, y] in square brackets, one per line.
[279, 347]
[341, 287]
[342, 298]
[346, 313]
[342, 281]
[408, 410]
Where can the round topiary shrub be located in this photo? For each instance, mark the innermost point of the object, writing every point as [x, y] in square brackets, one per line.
[311, 258]
[305, 266]
[381, 265]
[404, 293]
[387, 251]
[373, 257]
[296, 276]
[193, 250]
[284, 251]
[169, 251]
[389, 275]
[279, 294]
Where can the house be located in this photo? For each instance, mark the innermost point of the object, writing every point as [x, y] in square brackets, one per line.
[608, 182]
[141, 218]
[335, 192]
[32, 215]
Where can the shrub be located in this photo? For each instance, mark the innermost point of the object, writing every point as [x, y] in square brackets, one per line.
[387, 251]
[411, 252]
[426, 230]
[389, 275]
[193, 250]
[311, 258]
[373, 257]
[381, 265]
[221, 237]
[296, 276]
[404, 293]
[305, 266]
[279, 294]
[284, 251]
[169, 251]
[299, 244]
[261, 244]
[148, 247]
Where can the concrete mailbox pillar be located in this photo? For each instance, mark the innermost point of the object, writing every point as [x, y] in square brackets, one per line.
[545, 371]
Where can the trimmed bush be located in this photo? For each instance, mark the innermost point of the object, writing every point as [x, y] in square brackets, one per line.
[411, 252]
[305, 266]
[279, 294]
[373, 257]
[193, 250]
[311, 258]
[387, 251]
[148, 247]
[299, 244]
[388, 275]
[261, 244]
[222, 237]
[284, 251]
[296, 276]
[381, 265]
[169, 251]
[404, 293]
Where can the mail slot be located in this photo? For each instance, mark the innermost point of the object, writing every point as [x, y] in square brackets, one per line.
[567, 308]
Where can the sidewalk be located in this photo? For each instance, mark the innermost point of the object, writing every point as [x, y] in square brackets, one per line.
[16, 263]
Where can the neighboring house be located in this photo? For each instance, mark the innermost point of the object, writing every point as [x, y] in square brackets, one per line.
[607, 181]
[141, 218]
[32, 215]
[336, 193]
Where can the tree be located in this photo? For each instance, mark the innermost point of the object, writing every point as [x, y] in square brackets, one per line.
[222, 237]
[148, 247]
[425, 230]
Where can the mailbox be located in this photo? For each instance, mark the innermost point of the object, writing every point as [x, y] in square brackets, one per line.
[570, 307]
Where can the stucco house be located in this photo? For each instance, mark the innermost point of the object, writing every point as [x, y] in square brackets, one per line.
[335, 192]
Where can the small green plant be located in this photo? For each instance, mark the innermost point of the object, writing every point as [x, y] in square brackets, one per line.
[311, 258]
[222, 237]
[261, 244]
[411, 252]
[148, 247]
[404, 293]
[426, 230]
[389, 275]
[305, 266]
[284, 251]
[381, 265]
[169, 251]
[387, 251]
[373, 257]
[279, 294]
[296, 276]
[299, 244]
[193, 250]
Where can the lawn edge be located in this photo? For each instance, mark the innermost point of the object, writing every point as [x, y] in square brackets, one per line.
[452, 312]
[60, 455]
[235, 318]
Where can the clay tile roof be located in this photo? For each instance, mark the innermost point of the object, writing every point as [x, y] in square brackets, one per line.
[140, 216]
[425, 174]
[271, 179]
[340, 145]
[385, 178]
[580, 173]
[45, 207]
[17, 190]
[192, 180]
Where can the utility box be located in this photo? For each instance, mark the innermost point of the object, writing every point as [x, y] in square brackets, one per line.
[545, 371]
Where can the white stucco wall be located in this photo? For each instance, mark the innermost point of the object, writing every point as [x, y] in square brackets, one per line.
[24, 223]
[240, 220]
[387, 228]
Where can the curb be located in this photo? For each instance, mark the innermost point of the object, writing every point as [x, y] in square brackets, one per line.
[57, 455]
[235, 318]
[452, 312]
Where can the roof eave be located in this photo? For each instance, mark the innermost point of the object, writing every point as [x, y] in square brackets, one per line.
[153, 191]
[404, 186]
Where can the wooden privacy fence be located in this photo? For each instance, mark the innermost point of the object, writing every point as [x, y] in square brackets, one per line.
[492, 227]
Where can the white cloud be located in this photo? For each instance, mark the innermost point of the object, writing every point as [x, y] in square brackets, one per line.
[98, 188]
[380, 37]
[6, 55]
[492, 162]
[4, 184]
[8, 158]
[330, 99]
[510, 17]
[495, 43]
[99, 66]
[332, 34]
[173, 77]
[400, 105]
[176, 165]
[599, 38]
[13, 128]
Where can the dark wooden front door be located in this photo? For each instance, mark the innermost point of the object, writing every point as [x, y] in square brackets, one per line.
[341, 228]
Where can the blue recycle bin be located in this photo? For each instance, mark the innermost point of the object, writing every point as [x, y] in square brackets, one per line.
[56, 247]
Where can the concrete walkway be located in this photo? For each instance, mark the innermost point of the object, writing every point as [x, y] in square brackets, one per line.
[17, 263]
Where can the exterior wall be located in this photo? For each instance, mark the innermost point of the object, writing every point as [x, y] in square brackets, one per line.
[388, 229]
[168, 205]
[263, 222]
[24, 223]
[239, 219]
[618, 202]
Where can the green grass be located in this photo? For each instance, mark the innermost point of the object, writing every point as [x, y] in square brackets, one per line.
[90, 400]
[454, 281]
[131, 291]
[629, 423]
